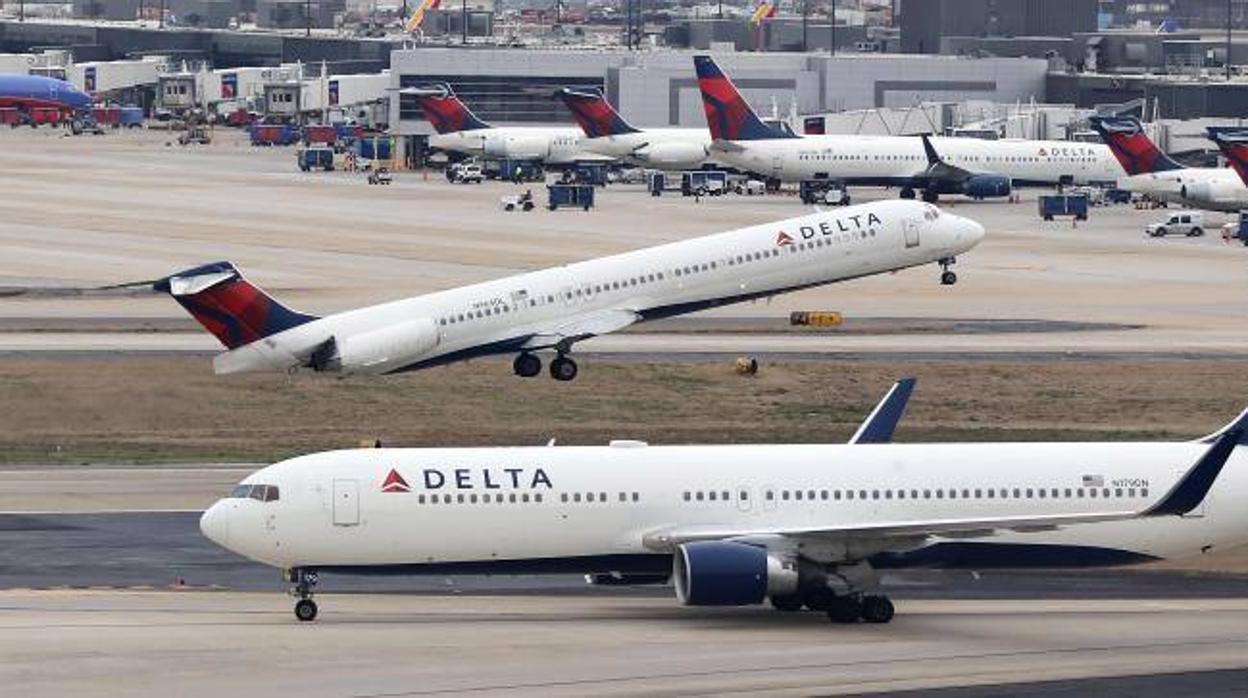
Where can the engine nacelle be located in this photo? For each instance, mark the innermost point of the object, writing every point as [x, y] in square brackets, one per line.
[378, 350]
[723, 573]
[671, 156]
[512, 147]
[1207, 193]
[985, 186]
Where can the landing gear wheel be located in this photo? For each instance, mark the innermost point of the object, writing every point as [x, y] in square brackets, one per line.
[948, 278]
[563, 369]
[527, 365]
[845, 609]
[819, 599]
[907, 192]
[877, 609]
[305, 610]
[787, 604]
[930, 196]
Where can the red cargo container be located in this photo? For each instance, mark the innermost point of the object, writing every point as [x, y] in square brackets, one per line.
[108, 116]
[10, 116]
[320, 133]
[45, 115]
[239, 118]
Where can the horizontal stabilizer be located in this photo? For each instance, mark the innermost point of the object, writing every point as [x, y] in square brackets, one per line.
[882, 422]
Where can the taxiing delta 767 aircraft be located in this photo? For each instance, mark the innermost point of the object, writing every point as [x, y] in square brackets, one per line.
[607, 133]
[1152, 172]
[557, 307]
[26, 92]
[968, 166]
[460, 131]
[801, 525]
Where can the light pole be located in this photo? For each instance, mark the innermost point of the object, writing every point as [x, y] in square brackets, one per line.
[307, 17]
[1228, 40]
[463, 19]
[805, 14]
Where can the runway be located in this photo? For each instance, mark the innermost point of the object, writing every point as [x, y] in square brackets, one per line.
[212, 644]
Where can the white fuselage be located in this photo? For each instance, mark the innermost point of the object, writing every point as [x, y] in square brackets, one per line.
[506, 506]
[552, 146]
[1208, 188]
[601, 295]
[895, 160]
[658, 148]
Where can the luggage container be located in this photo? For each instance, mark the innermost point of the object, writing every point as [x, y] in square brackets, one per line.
[703, 183]
[593, 174]
[320, 133]
[657, 183]
[374, 147]
[10, 116]
[107, 116]
[131, 117]
[316, 158]
[570, 195]
[45, 115]
[273, 134]
[1052, 205]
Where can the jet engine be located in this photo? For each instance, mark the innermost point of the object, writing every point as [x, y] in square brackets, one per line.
[1207, 193]
[378, 350]
[724, 573]
[671, 156]
[984, 186]
[512, 147]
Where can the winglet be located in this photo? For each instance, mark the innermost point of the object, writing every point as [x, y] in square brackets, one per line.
[1190, 491]
[933, 158]
[879, 426]
[1240, 423]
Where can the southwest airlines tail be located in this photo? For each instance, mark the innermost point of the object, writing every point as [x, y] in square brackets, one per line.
[595, 115]
[227, 305]
[444, 110]
[1127, 141]
[1233, 142]
[728, 115]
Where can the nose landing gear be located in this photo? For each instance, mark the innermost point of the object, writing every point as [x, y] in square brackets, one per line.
[947, 277]
[304, 581]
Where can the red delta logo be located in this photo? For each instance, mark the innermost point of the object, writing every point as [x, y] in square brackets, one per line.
[395, 483]
[1042, 152]
[784, 239]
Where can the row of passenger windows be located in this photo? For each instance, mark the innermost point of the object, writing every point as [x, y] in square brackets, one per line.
[828, 157]
[940, 493]
[625, 284]
[526, 498]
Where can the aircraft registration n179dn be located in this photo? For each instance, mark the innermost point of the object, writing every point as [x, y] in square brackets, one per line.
[799, 525]
[555, 308]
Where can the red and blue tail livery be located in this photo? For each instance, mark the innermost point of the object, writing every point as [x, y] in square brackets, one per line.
[728, 115]
[1233, 142]
[595, 115]
[1135, 151]
[228, 306]
[445, 111]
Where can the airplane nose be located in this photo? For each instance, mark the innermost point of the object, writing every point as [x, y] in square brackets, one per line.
[215, 525]
[974, 231]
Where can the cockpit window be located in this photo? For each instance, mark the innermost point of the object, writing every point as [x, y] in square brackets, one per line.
[260, 493]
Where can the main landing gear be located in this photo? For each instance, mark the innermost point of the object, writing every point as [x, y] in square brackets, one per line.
[931, 196]
[947, 277]
[528, 365]
[304, 581]
[852, 600]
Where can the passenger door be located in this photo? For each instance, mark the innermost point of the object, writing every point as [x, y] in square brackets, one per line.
[911, 231]
[346, 502]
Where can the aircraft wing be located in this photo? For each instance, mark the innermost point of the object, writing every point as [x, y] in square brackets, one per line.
[1185, 496]
[582, 327]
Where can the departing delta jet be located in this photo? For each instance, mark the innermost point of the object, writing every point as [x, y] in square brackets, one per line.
[460, 131]
[803, 526]
[555, 308]
[968, 166]
[607, 133]
[1153, 173]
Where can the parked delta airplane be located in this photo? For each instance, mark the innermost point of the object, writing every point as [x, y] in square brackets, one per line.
[607, 133]
[1233, 142]
[968, 166]
[26, 92]
[1152, 172]
[555, 308]
[460, 131]
[799, 525]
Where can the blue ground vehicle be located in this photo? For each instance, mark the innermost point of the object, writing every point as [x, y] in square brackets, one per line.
[1052, 205]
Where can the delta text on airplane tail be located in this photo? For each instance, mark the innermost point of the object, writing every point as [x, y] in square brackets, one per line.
[803, 526]
[555, 308]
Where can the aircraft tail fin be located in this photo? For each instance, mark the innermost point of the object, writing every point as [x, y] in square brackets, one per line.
[728, 115]
[445, 111]
[1233, 142]
[1135, 151]
[595, 115]
[227, 305]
